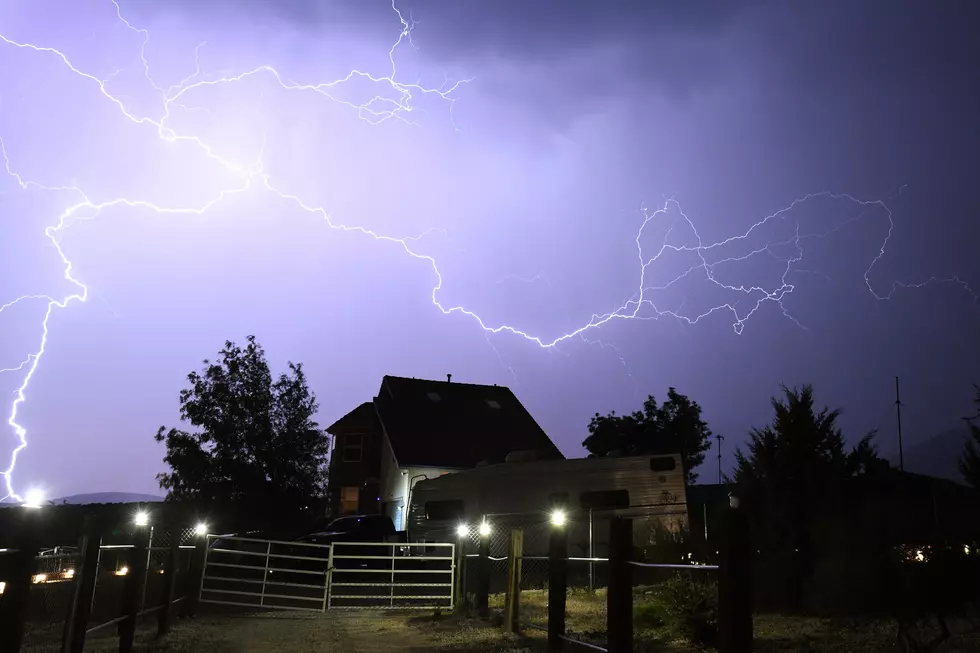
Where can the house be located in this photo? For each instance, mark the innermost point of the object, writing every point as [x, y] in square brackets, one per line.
[416, 429]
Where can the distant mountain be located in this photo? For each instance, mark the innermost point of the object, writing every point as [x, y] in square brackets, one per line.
[938, 456]
[108, 497]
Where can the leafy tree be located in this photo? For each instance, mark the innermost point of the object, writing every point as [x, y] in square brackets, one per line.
[672, 427]
[970, 459]
[792, 471]
[254, 438]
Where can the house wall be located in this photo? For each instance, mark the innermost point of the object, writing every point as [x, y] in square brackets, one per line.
[397, 482]
[364, 474]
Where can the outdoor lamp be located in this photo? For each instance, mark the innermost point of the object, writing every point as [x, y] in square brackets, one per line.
[558, 517]
[462, 530]
[484, 528]
[201, 529]
[34, 499]
[142, 518]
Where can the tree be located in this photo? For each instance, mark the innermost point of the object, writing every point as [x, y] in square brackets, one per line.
[969, 462]
[672, 427]
[792, 471]
[254, 438]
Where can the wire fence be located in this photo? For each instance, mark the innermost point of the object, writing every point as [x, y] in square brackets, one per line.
[57, 575]
[661, 562]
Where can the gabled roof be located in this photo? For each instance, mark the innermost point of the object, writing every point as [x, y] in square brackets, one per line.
[364, 418]
[456, 425]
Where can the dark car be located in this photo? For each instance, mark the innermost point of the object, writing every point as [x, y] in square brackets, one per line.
[354, 528]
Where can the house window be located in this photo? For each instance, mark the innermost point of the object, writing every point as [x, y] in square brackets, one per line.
[349, 500]
[434, 397]
[663, 464]
[493, 403]
[351, 452]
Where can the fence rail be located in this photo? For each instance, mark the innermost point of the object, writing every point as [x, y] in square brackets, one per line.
[56, 597]
[250, 572]
[392, 575]
[599, 617]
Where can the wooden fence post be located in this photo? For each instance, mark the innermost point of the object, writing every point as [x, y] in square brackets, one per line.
[512, 602]
[557, 586]
[735, 583]
[461, 600]
[483, 578]
[86, 572]
[22, 564]
[619, 599]
[193, 581]
[133, 589]
[171, 571]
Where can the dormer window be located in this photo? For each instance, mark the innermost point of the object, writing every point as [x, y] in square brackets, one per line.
[434, 397]
[493, 403]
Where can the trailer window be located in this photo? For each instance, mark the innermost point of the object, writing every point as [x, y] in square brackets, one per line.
[605, 499]
[444, 510]
[663, 464]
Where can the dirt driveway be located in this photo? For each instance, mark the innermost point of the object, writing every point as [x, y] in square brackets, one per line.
[336, 631]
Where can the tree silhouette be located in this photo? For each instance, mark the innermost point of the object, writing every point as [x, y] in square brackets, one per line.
[791, 472]
[969, 461]
[673, 427]
[254, 438]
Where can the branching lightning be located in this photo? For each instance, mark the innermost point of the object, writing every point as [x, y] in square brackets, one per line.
[398, 104]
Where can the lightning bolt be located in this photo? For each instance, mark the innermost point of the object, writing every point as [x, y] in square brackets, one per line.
[398, 104]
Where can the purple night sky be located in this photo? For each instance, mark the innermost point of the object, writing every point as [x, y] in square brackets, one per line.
[189, 159]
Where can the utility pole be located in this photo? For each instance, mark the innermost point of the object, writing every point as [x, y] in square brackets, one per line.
[719, 437]
[898, 409]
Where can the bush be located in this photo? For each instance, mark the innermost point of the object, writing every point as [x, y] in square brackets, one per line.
[687, 609]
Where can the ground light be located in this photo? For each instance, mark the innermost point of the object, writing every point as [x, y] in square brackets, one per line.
[34, 499]
[558, 518]
[462, 530]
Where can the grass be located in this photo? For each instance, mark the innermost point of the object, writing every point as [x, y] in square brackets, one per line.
[586, 620]
[217, 630]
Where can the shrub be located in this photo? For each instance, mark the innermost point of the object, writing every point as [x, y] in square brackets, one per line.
[687, 609]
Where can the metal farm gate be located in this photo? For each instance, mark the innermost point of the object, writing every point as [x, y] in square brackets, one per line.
[255, 573]
[385, 575]
[258, 573]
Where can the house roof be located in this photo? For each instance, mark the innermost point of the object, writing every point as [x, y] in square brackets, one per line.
[447, 424]
[362, 418]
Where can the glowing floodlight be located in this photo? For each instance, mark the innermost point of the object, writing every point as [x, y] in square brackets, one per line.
[142, 518]
[558, 518]
[34, 499]
[462, 530]
[201, 529]
[485, 528]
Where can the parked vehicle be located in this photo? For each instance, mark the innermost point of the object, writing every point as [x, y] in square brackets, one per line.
[585, 492]
[355, 528]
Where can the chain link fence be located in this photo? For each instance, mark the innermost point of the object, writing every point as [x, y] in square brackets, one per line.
[57, 571]
[670, 565]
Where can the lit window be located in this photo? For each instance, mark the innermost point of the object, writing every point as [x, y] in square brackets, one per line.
[493, 403]
[434, 397]
[352, 447]
[349, 500]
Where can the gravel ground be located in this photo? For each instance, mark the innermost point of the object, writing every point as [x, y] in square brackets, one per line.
[333, 632]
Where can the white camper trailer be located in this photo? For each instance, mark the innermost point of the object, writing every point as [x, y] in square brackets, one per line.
[586, 491]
